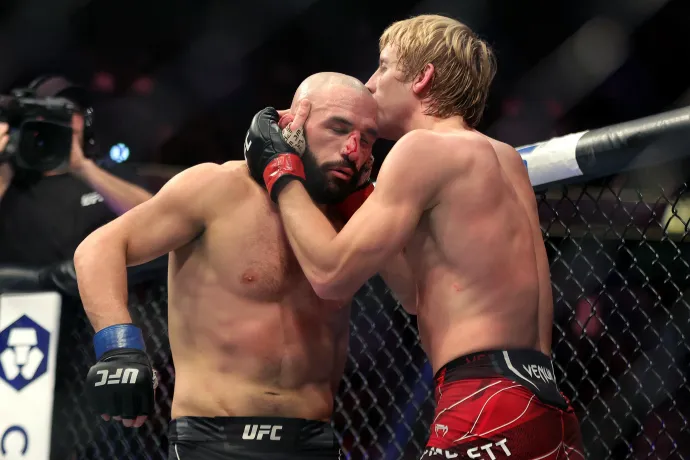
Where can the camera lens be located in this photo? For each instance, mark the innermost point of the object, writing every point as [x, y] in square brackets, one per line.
[33, 144]
[44, 146]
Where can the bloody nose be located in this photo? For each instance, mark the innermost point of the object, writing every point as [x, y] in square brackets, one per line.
[352, 148]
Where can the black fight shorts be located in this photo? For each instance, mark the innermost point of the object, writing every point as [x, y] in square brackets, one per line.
[251, 438]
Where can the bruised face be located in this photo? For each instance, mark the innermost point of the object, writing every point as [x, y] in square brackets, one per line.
[340, 132]
[394, 97]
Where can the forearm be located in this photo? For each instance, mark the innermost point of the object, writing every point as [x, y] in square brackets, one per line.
[101, 268]
[6, 176]
[310, 233]
[119, 195]
[3, 190]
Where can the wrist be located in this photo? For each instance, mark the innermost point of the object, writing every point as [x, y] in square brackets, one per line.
[82, 169]
[118, 336]
[286, 190]
[282, 170]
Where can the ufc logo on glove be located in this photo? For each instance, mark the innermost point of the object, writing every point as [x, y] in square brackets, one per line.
[130, 376]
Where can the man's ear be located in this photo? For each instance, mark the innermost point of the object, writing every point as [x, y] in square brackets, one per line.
[422, 82]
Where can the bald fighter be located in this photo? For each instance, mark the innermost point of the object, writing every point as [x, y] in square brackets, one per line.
[461, 207]
[258, 355]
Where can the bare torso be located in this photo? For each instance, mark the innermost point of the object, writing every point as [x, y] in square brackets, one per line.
[248, 335]
[475, 256]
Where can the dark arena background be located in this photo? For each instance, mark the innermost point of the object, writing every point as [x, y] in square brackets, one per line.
[176, 82]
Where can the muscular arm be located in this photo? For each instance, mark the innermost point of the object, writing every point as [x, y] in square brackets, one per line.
[172, 218]
[338, 264]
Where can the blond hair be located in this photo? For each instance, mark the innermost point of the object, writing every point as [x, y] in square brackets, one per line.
[464, 65]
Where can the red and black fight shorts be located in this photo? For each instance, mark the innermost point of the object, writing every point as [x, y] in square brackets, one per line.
[499, 405]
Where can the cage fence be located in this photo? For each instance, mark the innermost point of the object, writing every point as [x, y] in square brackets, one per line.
[619, 257]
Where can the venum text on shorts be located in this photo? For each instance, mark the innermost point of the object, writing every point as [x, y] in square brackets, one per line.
[539, 372]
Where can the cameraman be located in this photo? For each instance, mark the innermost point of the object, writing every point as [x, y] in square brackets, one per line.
[44, 216]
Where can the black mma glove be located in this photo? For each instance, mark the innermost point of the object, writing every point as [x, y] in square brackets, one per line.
[122, 382]
[271, 159]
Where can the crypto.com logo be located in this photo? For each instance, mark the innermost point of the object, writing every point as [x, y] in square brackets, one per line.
[23, 352]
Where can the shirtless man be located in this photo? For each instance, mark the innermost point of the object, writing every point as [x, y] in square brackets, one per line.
[258, 355]
[461, 207]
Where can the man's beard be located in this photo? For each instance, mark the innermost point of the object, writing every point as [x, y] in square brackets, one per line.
[322, 187]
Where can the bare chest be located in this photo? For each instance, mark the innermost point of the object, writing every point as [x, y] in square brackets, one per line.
[250, 255]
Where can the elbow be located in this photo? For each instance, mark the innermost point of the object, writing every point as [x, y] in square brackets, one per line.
[326, 292]
[409, 307]
[92, 249]
[411, 303]
[85, 251]
[329, 286]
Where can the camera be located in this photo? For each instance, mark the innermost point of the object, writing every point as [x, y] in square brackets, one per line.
[40, 130]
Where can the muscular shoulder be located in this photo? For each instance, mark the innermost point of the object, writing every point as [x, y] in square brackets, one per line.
[419, 145]
[421, 161]
[506, 153]
[442, 156]
[514, 168]
[210, 179]
[207, 186]
[511, 162]
[461, 145]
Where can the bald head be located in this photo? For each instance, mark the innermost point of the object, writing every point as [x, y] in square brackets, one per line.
[323, 83]
[339, 129]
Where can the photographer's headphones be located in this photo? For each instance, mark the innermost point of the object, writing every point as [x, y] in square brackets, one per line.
[57, 86]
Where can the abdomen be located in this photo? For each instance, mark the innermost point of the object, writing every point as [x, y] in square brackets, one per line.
[240, 350]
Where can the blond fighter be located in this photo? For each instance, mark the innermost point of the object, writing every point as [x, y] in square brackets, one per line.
[461, 207]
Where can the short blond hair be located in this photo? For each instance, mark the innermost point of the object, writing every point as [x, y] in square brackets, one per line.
[464, 64]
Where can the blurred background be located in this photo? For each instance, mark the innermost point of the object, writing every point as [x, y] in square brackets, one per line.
[176, 82]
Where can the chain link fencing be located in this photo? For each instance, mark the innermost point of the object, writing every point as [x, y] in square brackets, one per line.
[620, 267]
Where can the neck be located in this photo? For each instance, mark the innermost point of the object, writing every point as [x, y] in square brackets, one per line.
[421, 121]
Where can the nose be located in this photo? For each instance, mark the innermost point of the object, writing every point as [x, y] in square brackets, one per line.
[371, 84]
[352, 149]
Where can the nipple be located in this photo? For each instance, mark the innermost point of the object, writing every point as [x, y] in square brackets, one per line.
[248, 277]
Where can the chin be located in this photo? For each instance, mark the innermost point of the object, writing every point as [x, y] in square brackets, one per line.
[336, 193]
